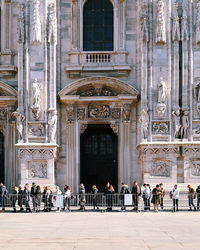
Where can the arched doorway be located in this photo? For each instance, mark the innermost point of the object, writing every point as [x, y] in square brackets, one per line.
[99, 155]
[2, 168]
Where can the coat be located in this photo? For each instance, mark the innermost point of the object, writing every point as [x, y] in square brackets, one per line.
[20, 197]
[38, 197]
[156, 196]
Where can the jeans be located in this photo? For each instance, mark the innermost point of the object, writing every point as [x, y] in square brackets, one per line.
[175, 205]
[191, 203]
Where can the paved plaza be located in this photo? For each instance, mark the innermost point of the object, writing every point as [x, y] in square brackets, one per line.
[100, 231]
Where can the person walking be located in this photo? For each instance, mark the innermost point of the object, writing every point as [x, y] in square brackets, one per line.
[191, 196]
[38, 198]
[13, 198]
[198, 196]
[174, 195]
[162, 194]
[124, 190]
[3, 196]
[109, 192]
[20, 197]
[156, 194]
[94, 197]
[82, 198]
[27, 197]
[136, 192]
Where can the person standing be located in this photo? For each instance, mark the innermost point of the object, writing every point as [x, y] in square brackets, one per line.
[3, 196]
[38, 198]
[33, 190]
[47, 198]
[13, 198]
[27, 197]
[82, 198]
[146, 194]
[68, 195]
[198, 196]
[174, 195]
[191, 196]
[162, 194]
[124, 190]
[94, 197]
[136, 192]
[20, 198]
[109, 192]
[156, 194]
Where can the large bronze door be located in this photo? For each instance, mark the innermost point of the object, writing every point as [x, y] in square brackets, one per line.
[99, 157]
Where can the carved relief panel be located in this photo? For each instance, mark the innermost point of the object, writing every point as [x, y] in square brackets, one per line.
[37, 170]
[160, 168]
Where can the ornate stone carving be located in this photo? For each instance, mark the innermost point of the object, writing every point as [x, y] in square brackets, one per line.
[196, 131]
[3, 128]
[21, 24]
[97, 92]
[36, 99]
[36, 23]
[98, 111]
[176, 25]
[83, 127]
[116, 113]
[184, 24]
[185, 124]
[197, 93]
[144, 23]
[36, 130]
[3, 114]
[144, 120]
[160, 127]
[198, 24]
[160, 169]
[52, 122]
[37, 154]
[160, 109]
[195, 167]
[70, 113]
[37, 170]
[177, 122]
[20, 118]
[115, 127]
[126, 112]
[52, 24]
[81, 113]
[160, 24]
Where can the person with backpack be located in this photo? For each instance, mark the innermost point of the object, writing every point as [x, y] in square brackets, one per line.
[174, 195]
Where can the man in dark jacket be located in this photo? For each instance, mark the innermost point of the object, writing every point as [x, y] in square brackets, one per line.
[136, 192]
[33, 190]
[3, 196]
[124, 190]
[198, 196]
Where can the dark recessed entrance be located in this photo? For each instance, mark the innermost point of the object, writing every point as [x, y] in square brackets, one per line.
[99, 157]
[2, 170]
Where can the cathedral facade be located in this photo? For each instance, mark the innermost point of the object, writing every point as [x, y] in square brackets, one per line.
[99, 90]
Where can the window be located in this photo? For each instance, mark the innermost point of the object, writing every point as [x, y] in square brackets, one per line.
[98, 25]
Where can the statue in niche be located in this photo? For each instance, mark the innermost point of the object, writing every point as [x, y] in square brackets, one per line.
[144, 120]
[177, 121]
[184, 24]
[52, 122]
[162, 91]
[197, 94]
[20, 118]
[36, 23]
[52, 24]
[176, 24]
[185, 125]
[198, 24]
[36, 97]
[160, 25]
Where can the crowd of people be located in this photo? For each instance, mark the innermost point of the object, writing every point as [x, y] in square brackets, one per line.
[44, 198]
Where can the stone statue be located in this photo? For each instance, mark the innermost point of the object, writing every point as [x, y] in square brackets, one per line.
[162, 91]
[21, 25]
[161, 37]
[197, 94]
[52, 122]
[184, 24]
[176, 26]
[20, 118]
[144, 120]
[185, 125]
[36, 23]
[36, 97]
[126, 112]
[144, 23]
[52, 24]
[198, 24]
[177, 121]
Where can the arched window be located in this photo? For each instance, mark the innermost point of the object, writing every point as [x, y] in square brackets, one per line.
[98, 25]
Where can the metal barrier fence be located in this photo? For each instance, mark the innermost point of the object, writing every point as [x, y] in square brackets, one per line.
[128, 202]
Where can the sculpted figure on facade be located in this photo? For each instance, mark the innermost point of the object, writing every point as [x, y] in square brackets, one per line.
[36, 99]
[144, 23]
[160, 24]
[37, 170]
[197, 94]
[126, 112]
[99, 111]
[20, 118]
[198, 24]
[52, 24]
[36, 23]
[176, 25]
[162, 96]
[160, 169]
[52, 122]
[70, 113]
[185, 125]
[144, 120]
[184, 24]
[21, 24]
[195, 168]
[177, 122]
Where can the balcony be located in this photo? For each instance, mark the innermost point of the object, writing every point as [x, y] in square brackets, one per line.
[87, 62]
